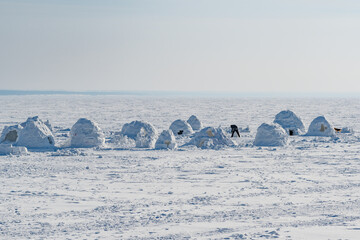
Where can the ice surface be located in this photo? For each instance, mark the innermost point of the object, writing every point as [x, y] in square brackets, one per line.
[309, 189]
[270, 135]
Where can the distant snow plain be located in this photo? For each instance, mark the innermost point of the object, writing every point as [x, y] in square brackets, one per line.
[309, 189]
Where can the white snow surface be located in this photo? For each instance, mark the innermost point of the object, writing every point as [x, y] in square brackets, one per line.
[144, 133]
[309, 189]
[194, 123]
[320, 127]
[270, 135]
[86, 133]
[34, 134]
[180, 125]
[288, 120]
[166, 140]
[211, 138]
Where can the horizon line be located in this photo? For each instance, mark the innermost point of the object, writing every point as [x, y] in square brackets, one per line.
[170, 93]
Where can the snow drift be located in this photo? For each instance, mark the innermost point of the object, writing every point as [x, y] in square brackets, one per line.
[143, 133]
[290, 122]
[320, 127]
[270, 135]
[85, 133]
[166, 140]
[210, 138]
[180, 127]
[194, 123]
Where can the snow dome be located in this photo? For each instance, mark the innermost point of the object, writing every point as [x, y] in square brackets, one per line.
[290, 122]
[270, 135]
[210, 138]
[85, 133]
[143, 133]
[180, 127]
[166, 140]
[32, 134]
[194, 123]
[320, 127]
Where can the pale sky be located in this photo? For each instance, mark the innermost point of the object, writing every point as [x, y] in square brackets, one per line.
[180, 45]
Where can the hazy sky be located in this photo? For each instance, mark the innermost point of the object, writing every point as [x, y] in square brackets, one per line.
[183, 45]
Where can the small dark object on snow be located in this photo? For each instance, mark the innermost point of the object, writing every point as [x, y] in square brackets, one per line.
[291, 132]
[234, 129]
[180, 132]
[337, 129]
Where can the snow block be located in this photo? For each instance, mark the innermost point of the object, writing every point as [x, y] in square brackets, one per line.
[85, 134]
[7, 149]
[143, 133]
[181, 128]
[270, 135]
[290, 122]
[35, 134]
[194, 123]
[166, 140]
[320, 127]
[210, 138]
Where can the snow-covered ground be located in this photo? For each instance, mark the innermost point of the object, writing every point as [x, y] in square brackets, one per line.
[309, 189]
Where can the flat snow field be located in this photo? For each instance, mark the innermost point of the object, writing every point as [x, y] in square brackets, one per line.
[309, 189]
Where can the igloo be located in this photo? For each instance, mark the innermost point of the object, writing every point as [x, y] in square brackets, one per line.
[10, 134]
[270, 135]
[320, 127]
[194, 123]
[210, 138]
[290, 122]
[143, 133]
[180, 127]
[86, 133]
[33, 134]
[166, 140]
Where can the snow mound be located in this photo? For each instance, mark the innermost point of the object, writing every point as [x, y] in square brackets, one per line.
[180, 127]
[210, 138]
[290, 122]
[347, 130]
[35, 134]
[320, 127]
[194, 123]
[166, 140]
[121, 141]
[270, 135]
[143, 133]
[85, 133]
[7, 149]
